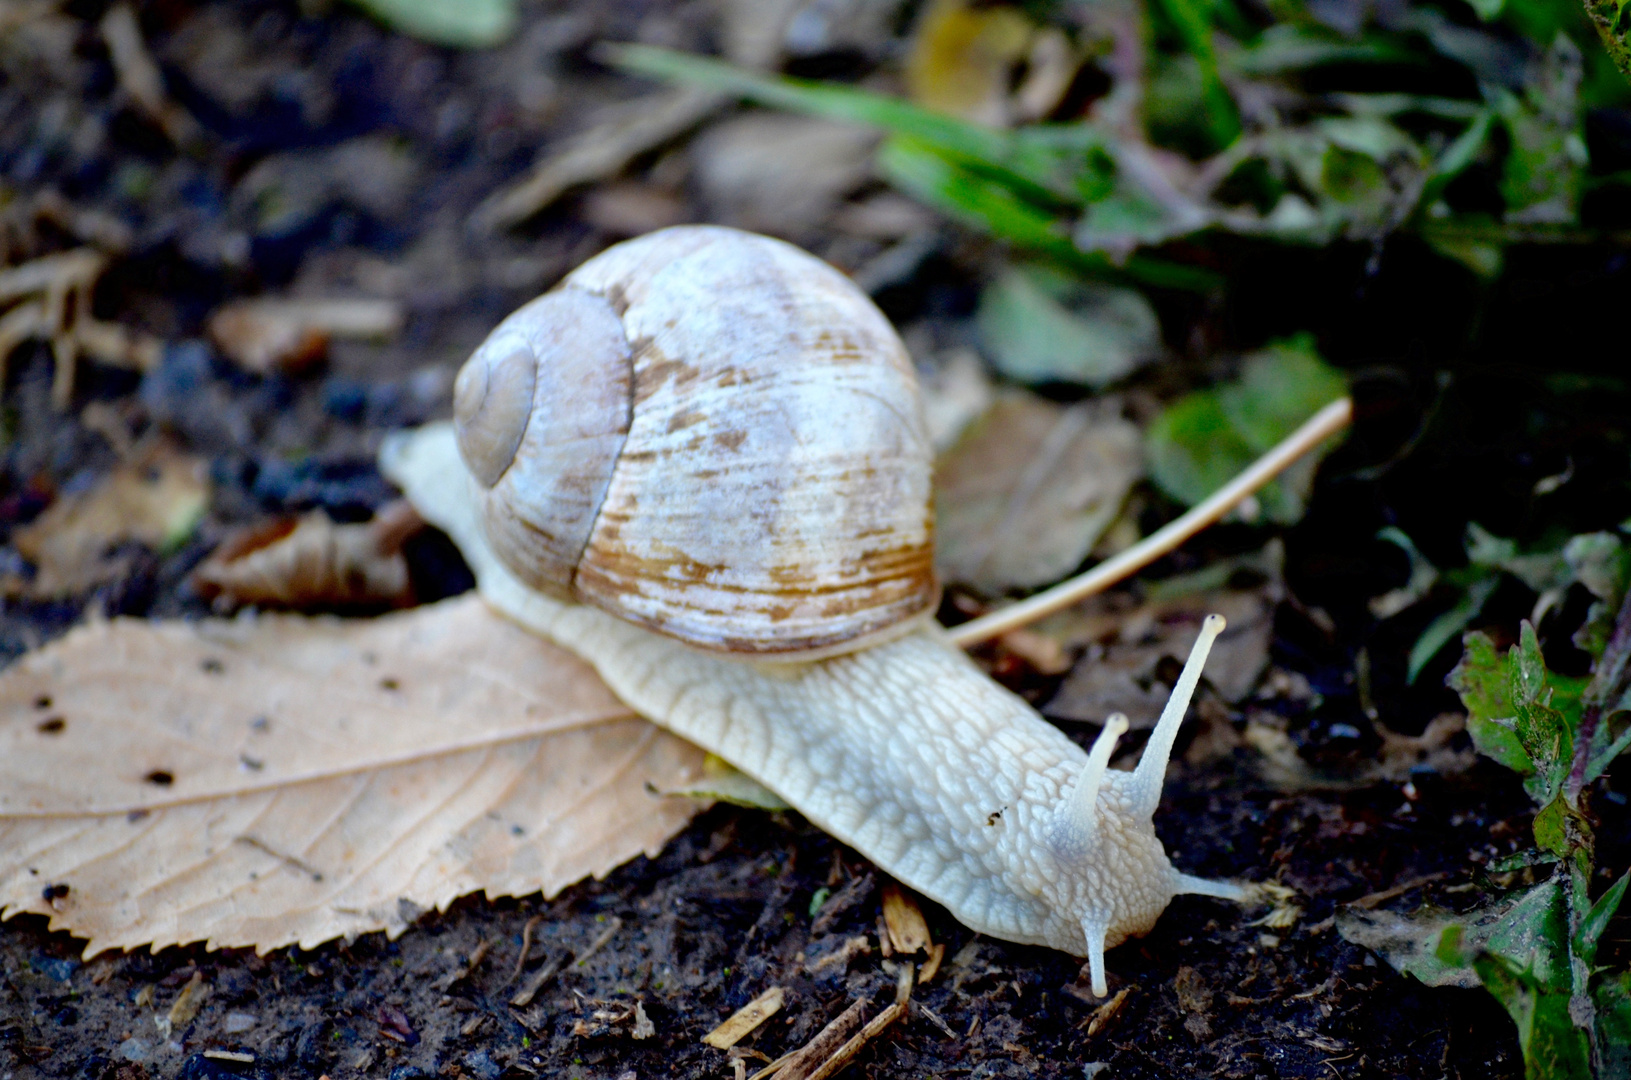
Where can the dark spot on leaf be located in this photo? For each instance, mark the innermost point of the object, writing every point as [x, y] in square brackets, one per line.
[160, 778]
[389, 683]
[43, 701]
[54, 892]
[212, 666]
[54, 725]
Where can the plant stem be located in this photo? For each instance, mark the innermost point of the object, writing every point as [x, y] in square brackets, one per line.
[1608, 685]
[1319, 427]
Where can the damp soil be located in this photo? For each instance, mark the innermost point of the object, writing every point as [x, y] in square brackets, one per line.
[1463, 411]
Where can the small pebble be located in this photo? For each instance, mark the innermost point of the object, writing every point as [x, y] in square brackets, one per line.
[480, 1064]
[238, 1022]
[60, 970]
[135, 1050]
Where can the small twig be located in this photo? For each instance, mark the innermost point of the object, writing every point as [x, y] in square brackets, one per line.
[844, 1054]
[799, 1064]
[545, 973]
[599, 943]
[1370, 900]
[139, 76]
[526, 947]
[1323, 424]
[477, 955]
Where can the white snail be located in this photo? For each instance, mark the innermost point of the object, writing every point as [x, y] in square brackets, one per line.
[699, 464]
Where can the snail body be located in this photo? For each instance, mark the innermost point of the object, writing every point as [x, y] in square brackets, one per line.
[871, 724]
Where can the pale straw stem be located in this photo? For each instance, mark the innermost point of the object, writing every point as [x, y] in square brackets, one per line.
[1323, 424]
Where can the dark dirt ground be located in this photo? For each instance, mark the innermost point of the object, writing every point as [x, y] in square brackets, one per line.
[1461, 412]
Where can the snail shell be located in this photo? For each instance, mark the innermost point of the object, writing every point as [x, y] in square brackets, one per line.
[713, 435]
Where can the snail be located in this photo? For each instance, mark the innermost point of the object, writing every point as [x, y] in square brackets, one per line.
[699, 464]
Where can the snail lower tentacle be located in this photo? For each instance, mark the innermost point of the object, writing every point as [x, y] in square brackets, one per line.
[905, 750]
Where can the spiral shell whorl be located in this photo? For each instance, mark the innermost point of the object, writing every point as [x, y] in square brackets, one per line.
[554, 380]
[762, 488]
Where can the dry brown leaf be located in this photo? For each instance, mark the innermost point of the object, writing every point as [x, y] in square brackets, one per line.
[1026, 491]
[620, 134]
[908, 932]
[277, 334]
[631, 209]
[314, 562]
[962, 59]
[59, 311]
[784, 175]
[288, 779]
[1121, 669]
[1051, 66]
[156, 503]
[956, 392]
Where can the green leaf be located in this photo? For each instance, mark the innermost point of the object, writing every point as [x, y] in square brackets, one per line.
[724, 782]
[1553, 1048]
[1516, 949]
[1482, 681]
[992, 205]
[1443, 629]
[1544, 732]
[1193, 21]
[1612, 996]
[1455, 158]
[1193, 449]
[1518, 713]
[1040, 326]
[1601, 562]
[1540, 570]
[1205, 438]
[1607, 746]
[1541, 178]
[1521, 860]
[465, 24]
[1552, 828]
[1596, 920]
[1436, 946]
[1612, 18]
[818, 99]
[1289, 47]
[1279, 388]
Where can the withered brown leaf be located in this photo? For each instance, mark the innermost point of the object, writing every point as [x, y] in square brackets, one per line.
[289, 779]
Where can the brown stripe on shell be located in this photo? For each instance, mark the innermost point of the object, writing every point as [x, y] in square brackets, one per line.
[772, 495]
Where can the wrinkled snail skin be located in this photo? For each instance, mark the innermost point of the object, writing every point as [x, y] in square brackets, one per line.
[906, 751]
[700, 465]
